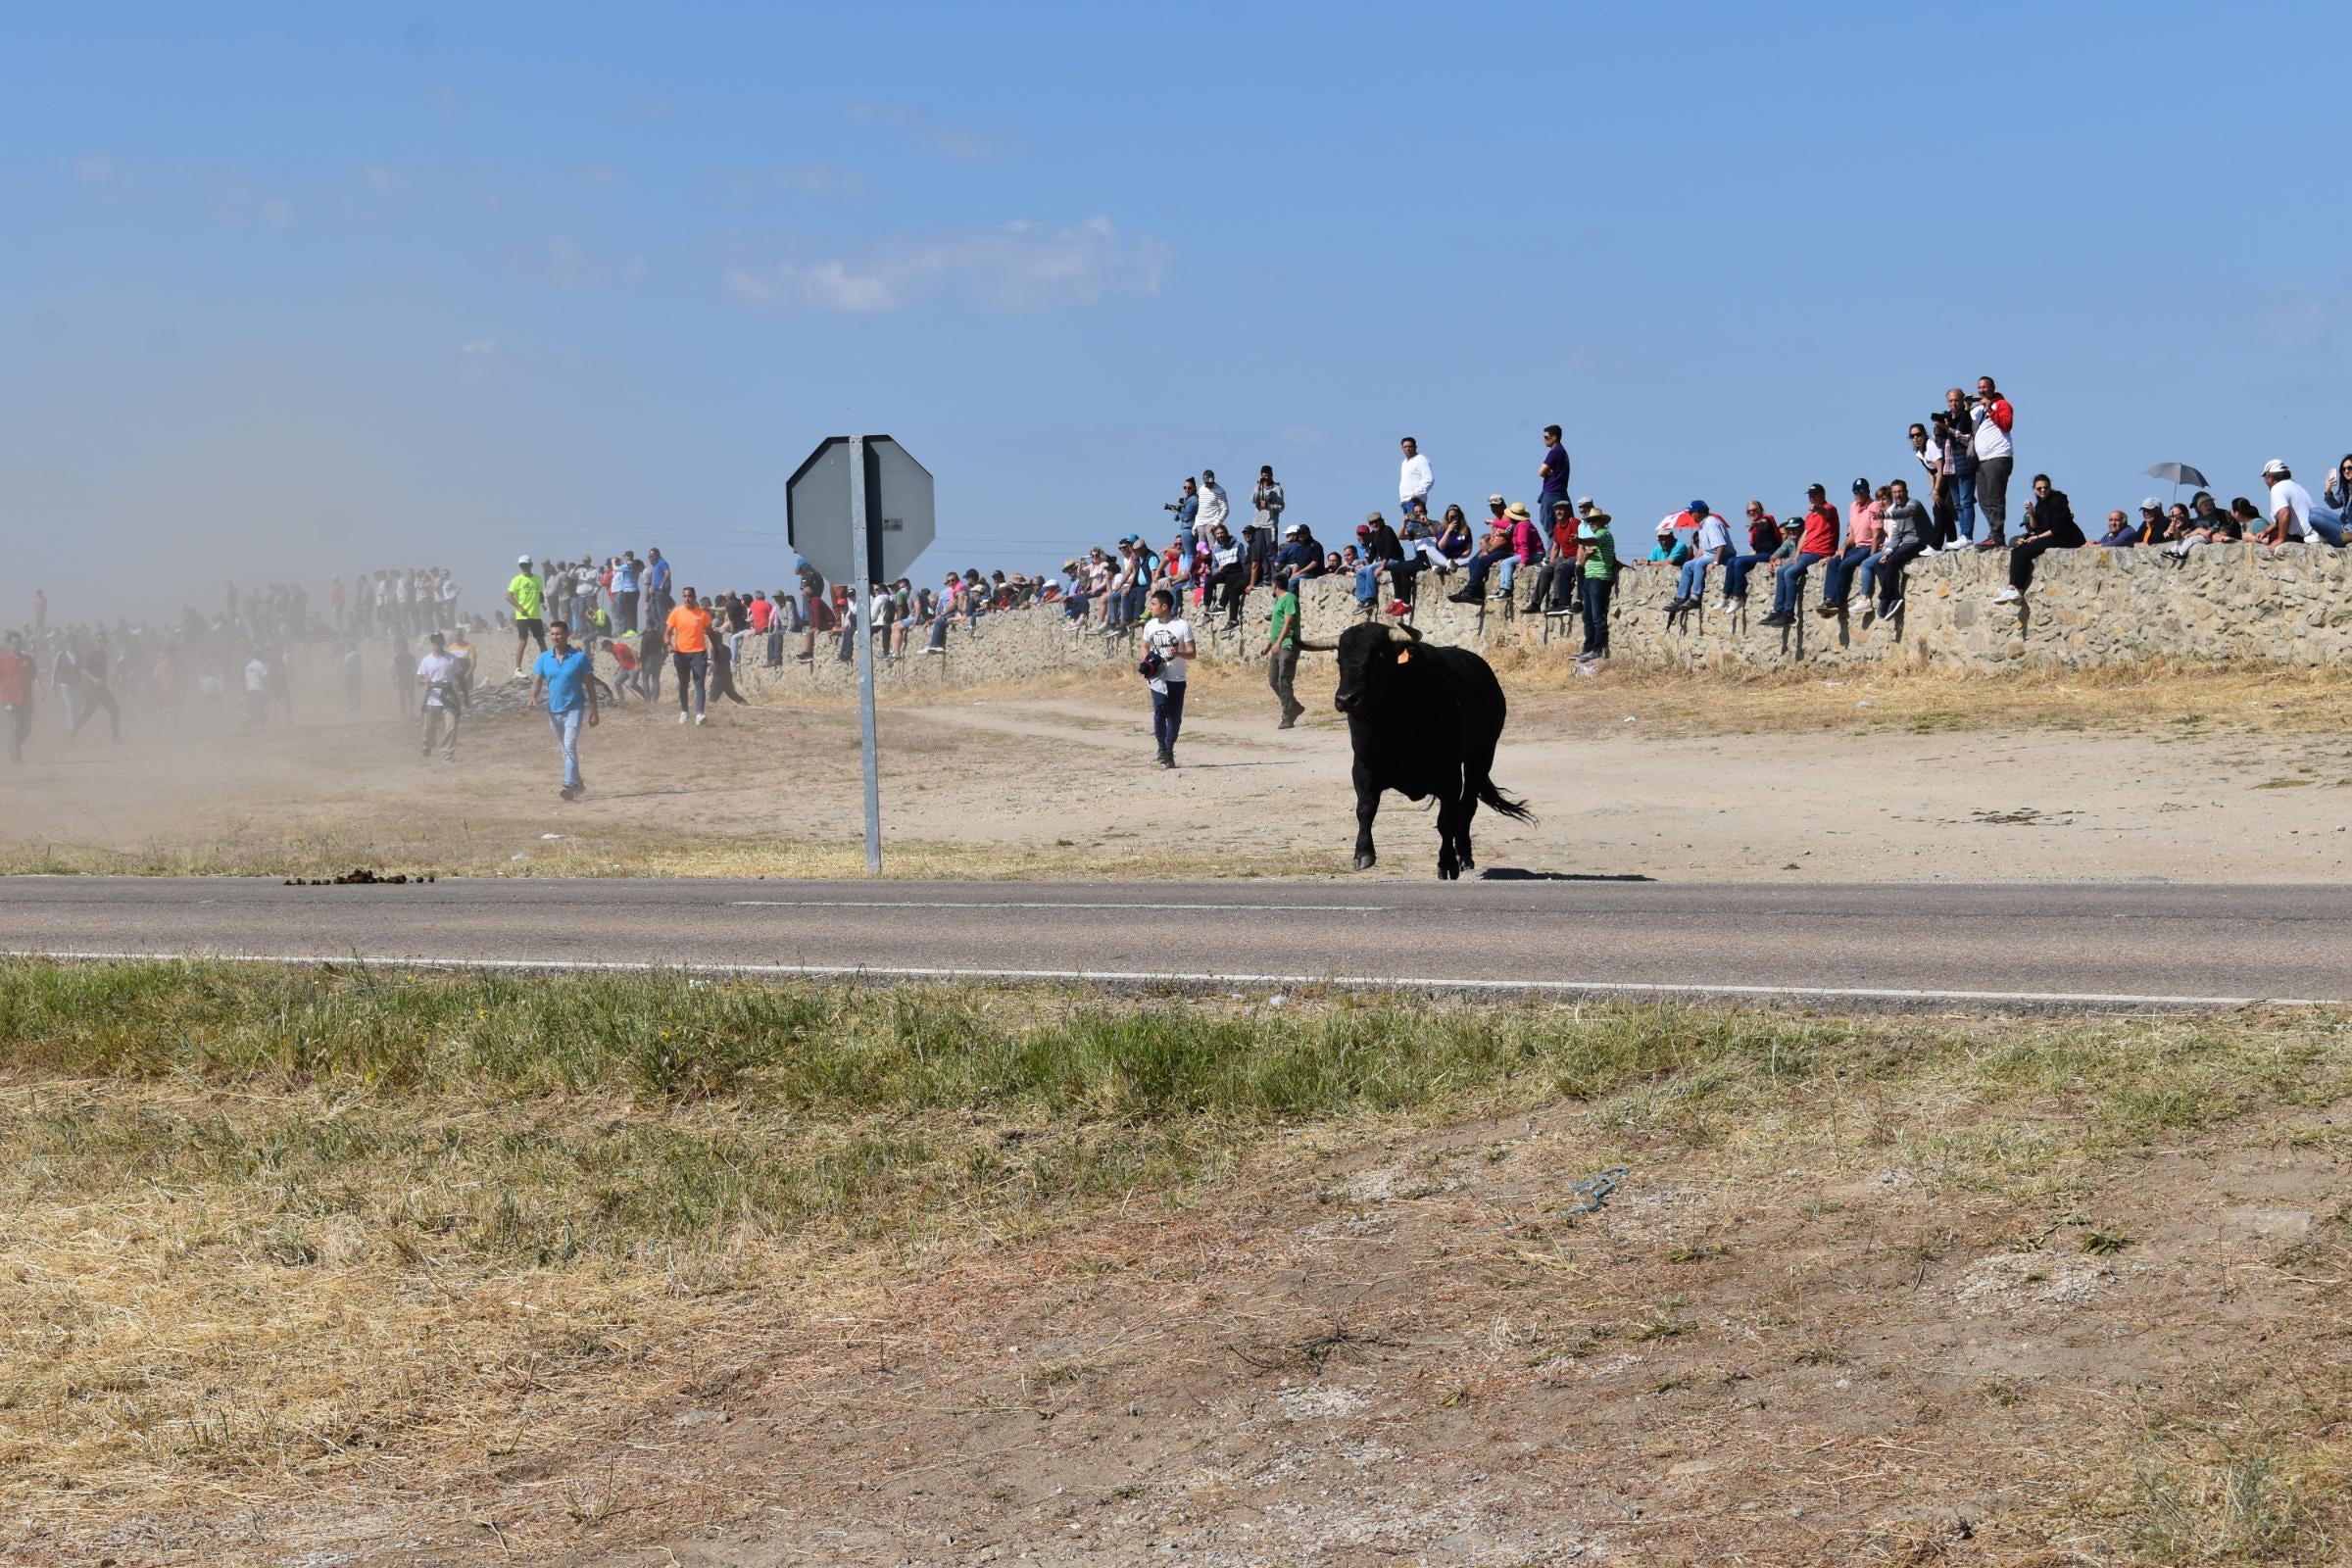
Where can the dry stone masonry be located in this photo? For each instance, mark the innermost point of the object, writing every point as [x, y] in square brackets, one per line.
[2089, 607]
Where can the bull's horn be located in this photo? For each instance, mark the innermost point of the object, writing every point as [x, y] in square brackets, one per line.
[1312, 645]
[1403, 634]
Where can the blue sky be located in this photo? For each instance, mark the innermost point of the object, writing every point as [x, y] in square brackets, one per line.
[298, 289]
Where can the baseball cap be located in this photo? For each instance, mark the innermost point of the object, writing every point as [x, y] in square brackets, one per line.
[1695, 507]
[522, 561]
[1291, 529]
[1861, 487]
[2151, 504]
[1363, 530]
[1817, 488]
[1372, 518]
[2274, 466]
[1496, 496]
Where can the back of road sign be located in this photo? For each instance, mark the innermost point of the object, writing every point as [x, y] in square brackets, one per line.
[900, 515]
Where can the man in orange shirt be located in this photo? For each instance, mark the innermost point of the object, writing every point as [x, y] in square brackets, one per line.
[690, 652]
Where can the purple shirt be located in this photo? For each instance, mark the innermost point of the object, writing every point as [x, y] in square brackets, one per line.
[1555, 470]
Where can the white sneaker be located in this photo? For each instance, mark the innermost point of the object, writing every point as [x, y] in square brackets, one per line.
[681, 716]
[2007, 596]
[702, 718]
[1930, 550]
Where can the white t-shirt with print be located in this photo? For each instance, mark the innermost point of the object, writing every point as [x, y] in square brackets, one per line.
[1165, 637]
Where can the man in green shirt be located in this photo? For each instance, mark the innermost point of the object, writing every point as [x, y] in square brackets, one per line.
[1282, 652]
[1598, 549]
[524, 595]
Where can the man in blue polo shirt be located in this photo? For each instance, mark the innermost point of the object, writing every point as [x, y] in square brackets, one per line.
[563, 675]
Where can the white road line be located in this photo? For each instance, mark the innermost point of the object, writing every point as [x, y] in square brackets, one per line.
[850, 972]
[984, 903]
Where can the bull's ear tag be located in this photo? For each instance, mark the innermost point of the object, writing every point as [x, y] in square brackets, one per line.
[1404, 655]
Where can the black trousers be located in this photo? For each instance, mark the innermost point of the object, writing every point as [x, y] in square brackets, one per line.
[2025, 553]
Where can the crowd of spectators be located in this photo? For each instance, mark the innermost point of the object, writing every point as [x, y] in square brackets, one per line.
[1554, 556]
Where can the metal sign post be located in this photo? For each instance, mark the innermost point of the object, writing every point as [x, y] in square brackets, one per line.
[860, 508]
[866, 497]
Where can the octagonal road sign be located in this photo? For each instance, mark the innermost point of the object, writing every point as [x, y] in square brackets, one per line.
[900, 515]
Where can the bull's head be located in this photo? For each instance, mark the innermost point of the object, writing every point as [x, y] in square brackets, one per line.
[1369, 654]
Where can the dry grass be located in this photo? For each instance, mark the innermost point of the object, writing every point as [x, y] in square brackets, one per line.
[311, 1241]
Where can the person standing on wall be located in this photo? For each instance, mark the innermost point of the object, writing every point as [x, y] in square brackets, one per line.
[1995, 457]
[1414, 477]
[562, 677]
[1167, 644]
[1551, 476]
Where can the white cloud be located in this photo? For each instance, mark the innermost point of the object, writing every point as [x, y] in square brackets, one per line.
[484, 346]
[1018, 266]
[277, 212]
[384, 180]
[965, 144]
[94, 168]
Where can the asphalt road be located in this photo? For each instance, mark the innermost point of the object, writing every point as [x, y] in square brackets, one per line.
[2024, 944]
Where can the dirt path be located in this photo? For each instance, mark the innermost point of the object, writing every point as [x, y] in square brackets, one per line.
[1661, 780]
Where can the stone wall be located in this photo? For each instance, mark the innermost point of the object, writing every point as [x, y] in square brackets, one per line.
[2086, 607]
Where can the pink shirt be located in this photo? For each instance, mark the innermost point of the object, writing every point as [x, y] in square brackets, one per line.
[1867, 528]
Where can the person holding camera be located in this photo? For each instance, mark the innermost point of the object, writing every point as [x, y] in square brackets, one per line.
[1995, 457]
[437, 672]
[1167, 644]
[1187, 508]
[1956, 431]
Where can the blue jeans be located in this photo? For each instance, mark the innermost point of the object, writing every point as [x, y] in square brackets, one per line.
[1692, 586]
[1480, 565]
[1836, 575]
[1889, 570]
[1734, 575]
[1167, 714]
[1367, 582]
[568, 735]
[1963, 492]
[1597, 615]
[2328, 522]
[1790, 579]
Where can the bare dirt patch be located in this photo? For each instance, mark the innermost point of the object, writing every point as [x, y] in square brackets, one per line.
[1887, 777]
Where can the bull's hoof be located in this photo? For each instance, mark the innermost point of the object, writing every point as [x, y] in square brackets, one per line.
[1364, 861]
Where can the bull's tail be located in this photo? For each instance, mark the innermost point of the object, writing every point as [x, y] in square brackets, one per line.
[1496, 799]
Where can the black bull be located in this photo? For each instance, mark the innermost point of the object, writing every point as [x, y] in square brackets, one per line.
[1424, 721]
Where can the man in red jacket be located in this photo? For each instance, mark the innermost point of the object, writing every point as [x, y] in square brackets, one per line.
[1816, 540]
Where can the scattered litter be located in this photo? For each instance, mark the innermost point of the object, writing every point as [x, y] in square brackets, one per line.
[546, 836]
[518, 856]
[1629, 719]
[1866, 702]
[1595, 1189]
[1276, 1000]
[2024, 817]
[1833, 683]
[358, 876]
